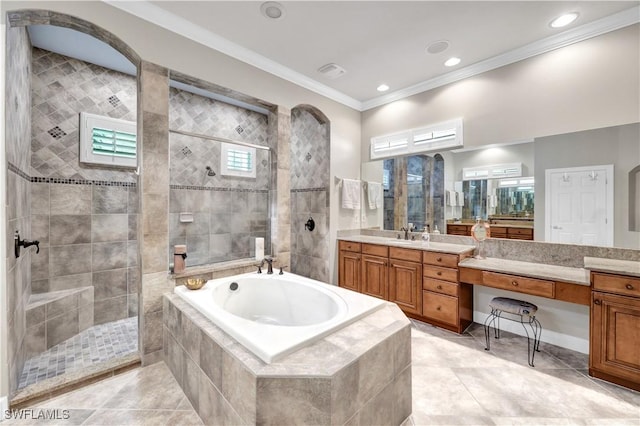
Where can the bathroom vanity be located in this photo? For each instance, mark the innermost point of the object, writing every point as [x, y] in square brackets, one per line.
[422, 279]
[444, 295]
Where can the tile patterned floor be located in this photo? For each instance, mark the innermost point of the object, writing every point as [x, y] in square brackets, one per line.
[94, 345]
[455, 382]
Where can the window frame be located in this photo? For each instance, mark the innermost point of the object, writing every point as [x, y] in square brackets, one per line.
[225, 148]
[90, 121]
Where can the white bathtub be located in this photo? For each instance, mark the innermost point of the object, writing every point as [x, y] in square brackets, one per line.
[275, 315]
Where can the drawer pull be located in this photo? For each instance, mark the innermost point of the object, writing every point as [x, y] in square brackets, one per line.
[439, 259]
[597, 302]
[438, 308]
[439, 287]
[629, 287]
[440, 273]
[514, 283]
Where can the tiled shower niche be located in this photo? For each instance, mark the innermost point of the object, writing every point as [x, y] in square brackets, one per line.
[228, 212]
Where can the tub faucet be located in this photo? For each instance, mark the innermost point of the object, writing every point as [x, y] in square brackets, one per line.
[269, 264]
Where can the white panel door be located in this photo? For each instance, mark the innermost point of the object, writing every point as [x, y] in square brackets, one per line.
[579, 205]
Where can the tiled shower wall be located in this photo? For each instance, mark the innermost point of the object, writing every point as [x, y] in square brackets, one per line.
[309, 195]
[228, 212]
[85, 217]
[18, 152]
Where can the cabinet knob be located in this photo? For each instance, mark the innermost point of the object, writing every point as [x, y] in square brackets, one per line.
[514, 283]
[438, 308]
[629, 287]
[439, 259]
[597, 302]
[440, 273]
[439, 287]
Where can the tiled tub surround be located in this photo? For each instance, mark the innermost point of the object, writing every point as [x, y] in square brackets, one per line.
[228, 212]
[361, 374]
[309, 165]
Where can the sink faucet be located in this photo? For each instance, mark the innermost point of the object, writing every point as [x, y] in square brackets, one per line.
[269, 264]
[406, 232]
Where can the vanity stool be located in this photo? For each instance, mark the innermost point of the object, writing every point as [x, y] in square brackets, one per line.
[518, 311]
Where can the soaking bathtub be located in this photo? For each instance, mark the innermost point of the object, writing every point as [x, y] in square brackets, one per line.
[275, 315]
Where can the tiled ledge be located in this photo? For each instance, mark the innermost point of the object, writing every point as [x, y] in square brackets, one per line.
[218, 270]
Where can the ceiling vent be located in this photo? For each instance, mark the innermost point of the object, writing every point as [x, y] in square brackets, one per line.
[332, 71]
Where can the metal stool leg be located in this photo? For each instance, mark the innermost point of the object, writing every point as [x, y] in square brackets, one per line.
[487, 329]
[530, 352]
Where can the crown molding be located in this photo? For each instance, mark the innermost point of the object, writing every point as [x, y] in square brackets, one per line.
[169, 21]
[566, 38]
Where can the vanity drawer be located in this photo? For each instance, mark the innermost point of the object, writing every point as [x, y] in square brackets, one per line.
[405, 254]
[458, 229]
[349, 246]
[440, 259]
[440, 307]
[520, 233]
[532, 286]
[440, 273]
[438, 286]
[375, 250]
[497, 231]
[618, 284]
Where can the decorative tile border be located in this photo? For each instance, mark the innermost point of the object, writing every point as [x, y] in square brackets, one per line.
[216, 188]
[13, 168]
[310, 190]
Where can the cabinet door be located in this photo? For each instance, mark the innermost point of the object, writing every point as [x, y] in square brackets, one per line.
[375, 276]
[349, 270]
[405, 285]
[615, 335]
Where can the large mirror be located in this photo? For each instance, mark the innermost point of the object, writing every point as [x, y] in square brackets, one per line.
[587, 174]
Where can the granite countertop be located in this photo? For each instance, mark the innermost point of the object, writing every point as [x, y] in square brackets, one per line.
[530, 269]
[416, 245]
[614, 266]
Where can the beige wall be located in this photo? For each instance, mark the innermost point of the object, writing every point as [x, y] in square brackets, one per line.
[588, 85]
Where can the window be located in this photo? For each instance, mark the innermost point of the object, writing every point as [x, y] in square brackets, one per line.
[238, 160]
[445, 135]
[107, 141]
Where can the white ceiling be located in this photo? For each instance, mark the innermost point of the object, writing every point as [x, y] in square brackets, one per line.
[382, 41]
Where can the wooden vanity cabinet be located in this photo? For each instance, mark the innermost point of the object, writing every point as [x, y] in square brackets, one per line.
[349, 265]
[446, 302]
[375, 271]
[614, 353]
[405, 279]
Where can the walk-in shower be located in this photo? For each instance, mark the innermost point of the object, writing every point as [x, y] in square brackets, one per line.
[74, 304]
[220, 177]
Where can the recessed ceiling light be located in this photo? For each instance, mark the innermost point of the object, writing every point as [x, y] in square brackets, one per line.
[438, 46]
[383, 88]
[451, 62]
[564, 20]
[272, 10]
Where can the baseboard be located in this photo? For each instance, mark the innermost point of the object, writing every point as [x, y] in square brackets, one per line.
[548, 336]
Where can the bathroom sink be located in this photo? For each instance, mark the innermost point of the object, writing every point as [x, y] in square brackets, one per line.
[403, 242]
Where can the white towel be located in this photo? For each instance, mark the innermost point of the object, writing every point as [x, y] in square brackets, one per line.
[374, 193]
[460, 197]
[451, 198]
[350, 194]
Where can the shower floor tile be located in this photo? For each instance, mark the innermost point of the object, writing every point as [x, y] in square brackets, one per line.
[94, 345]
